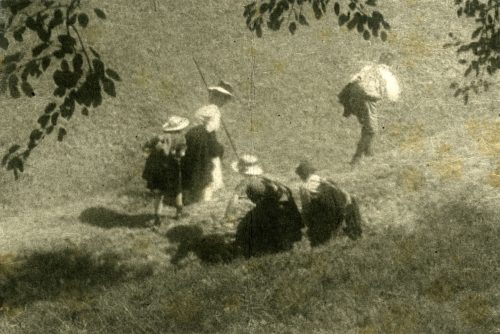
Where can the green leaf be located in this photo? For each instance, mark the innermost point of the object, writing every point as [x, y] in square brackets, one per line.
[85, 111]
[112, 74]
[83, 19]
[37, 50]
[9, 68]
[108, 87]
[343, 19]
[61, 134]
[15, 57]
[59, 54]
[292, 27]
[100, 14]
[35, 135]
[45, 63]
[57, 19]
[65, 65]
[366, 35]
[53, 118]
[353, 23]
[71, 20]
[14, 90]
[477, 32]
[18, 34]
[27, 89]
[43, 120]
[77, 62]
[50, 107]
[336, 8]
[383, 36]
[98, 67]
[4, 42]
[302, 20]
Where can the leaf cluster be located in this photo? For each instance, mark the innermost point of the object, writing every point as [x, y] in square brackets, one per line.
[78, 72]
[354, 14]
[480, 54]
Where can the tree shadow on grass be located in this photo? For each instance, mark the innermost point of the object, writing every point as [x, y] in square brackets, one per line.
[64, 272]
[107, 218]
[209, 248]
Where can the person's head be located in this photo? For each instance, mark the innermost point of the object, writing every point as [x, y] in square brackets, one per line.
[386, 58]
[247, 165]
[305, 169]
[210, 117]
[163, 143]
[220, 94]
[256, 190]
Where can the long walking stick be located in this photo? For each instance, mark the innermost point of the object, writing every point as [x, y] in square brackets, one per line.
[222, 120]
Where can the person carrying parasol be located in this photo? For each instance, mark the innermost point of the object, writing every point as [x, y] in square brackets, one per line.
[360, 96]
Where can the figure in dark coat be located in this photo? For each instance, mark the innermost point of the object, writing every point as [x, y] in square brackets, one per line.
[202, 170]
[162, 170]
[273, 224]
[326, 207]
[203, 154]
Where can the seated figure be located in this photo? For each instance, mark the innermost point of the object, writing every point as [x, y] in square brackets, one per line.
[272, 222]
[326, 207]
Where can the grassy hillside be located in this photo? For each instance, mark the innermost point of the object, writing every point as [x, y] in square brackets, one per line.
[294, 77]
[75, 256]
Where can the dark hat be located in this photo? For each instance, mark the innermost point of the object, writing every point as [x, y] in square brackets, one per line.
[305, 168]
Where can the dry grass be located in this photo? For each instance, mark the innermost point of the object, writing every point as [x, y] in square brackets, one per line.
[75, 256]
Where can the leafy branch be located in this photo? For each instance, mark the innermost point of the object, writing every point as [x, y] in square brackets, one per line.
[351, 13]
[57, 26]
[480, 55]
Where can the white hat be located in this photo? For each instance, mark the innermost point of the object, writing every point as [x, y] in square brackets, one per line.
[175, 123]
[223, 88]
[247, 165]
[210, 111]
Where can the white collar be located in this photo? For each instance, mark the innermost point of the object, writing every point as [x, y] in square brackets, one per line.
[312, 183]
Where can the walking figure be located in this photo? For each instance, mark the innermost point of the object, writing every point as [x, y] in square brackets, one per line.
[360, 96]
[201, 168]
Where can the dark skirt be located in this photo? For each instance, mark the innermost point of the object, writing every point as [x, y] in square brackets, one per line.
[323, 219]
[162, 173]
[197, 165]
[270, 227]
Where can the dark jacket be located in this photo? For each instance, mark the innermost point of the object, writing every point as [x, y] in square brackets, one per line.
[197, 166]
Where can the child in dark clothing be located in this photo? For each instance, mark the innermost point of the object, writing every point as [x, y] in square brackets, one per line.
[162, 170]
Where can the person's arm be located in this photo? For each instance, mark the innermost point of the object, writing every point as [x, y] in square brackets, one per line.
[239, 192]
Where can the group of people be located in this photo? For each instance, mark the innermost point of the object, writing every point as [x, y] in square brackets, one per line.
[184, 167]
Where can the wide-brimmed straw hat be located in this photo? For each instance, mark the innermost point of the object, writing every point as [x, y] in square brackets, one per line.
[247, 165]
[223, 88]
[175, 123]
[209, 112]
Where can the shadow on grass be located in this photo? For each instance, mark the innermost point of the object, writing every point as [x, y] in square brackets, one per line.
[210, 248]
[107, 218]
[67, 272]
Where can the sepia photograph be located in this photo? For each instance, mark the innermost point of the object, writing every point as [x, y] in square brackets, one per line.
[250, 166]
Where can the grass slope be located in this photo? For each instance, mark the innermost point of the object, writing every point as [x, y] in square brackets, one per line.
[75, 256]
